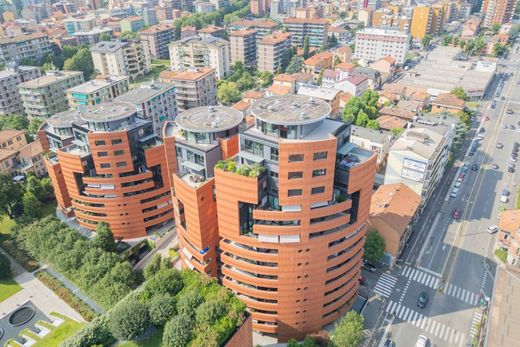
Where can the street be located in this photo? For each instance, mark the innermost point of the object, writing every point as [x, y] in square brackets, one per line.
[451, 259]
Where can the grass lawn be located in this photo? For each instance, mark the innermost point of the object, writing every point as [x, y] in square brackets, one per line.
[152, 75]
[8, 287]
[6, 224]
[165, 62]
[153, 341]
[59, 334]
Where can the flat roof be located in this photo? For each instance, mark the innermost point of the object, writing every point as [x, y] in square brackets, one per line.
[96, 84]
[290, 109]
[50, 78]
[209, 119]
[64, 119]
[145, 92]
[110, 111]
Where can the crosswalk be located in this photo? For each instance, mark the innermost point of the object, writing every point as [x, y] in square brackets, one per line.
[424, 323]
[477, 318]
[461, 294]
[514, 101]
[385, 285]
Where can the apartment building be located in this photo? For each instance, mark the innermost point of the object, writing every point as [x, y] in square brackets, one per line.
[193, 88]
[107, 165]
[263, 27]
[315, 29]
[120, 58]
[10, 78]
[31, 46]
[291, 209]
[243, 47]
[156, 40]
[133, 24]
[270, 51]
[96, 91]
[74, 24]
[373, 44]
[92, 36]
[45, 96]
[497, 11]
[509, 235]
[17, 157]
[376, 141]
[260, 7]
[198, 52]
[155, 101]
[368, 4]
[427, 20]
[386, 19]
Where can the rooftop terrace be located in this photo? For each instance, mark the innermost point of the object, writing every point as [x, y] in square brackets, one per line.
[209, 119]
[290, 110]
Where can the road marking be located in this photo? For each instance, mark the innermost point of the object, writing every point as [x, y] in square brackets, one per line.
[385, 285]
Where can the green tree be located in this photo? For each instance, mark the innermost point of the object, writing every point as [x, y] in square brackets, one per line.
[266, 79]
[81, 61]
[446, 39]
[34, 124]
[5, 267]
[11, 194]
[228, 93]
[188, 303]
[161, 309]
[104, 238]
[49, 66]
[286, 59]
[105, 37]
[460, 93]
[426, 41]
[153, 266]
[309, 342]
[348, 332]
[31, 206]
[479, 45]
[333, 41]
[292, 343]
[130, 35]
[295, 65]
[177, 331]
[17, 121]
[165, 281]
[372, 124]
[495, 28]
[396, 132]
[209, 311]
[33, 186]
[499, 50]
[129, 320]
[320, 77]
[361, 119]
[306, 47]
[374, 246]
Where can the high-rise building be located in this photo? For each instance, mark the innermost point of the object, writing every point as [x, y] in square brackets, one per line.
[371, 4]
[427, 20]
[73, 24]
[47, 95]
[291, 208]
[263, 27]
[243, 47]
[198, 52]
[30, 46]
[109, 168]
[91, 37]
[10, 78]
[270, 51]
[497, 11]
[156, 39]
[133, 24]
[373, 44]
[150, 16]
[121, 58]
[259, 7]
[96, 91]
[315, 29]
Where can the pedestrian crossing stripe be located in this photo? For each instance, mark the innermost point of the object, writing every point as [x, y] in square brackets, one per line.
[477, 317]
[429, 325]
[385, 285]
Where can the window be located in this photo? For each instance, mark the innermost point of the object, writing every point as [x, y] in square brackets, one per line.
[121, 164]
[105, 165]
[295, 158]
[319, 172]
[320, 155]
[295, 175]
[99, 143]
[274, 154]
[119, 152]
[318, 190]
[117, 141]
[294, 192]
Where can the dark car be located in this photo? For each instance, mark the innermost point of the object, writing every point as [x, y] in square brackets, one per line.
[512, 127]
[474, 167]
[389, 343]
[505, 192]
[457, 213]
[500, 145]
[503, 98]
[422, 300]
[369, 267]
[515, 150]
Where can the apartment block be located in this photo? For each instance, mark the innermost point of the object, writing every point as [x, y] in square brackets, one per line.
[315, 29]
[46, 95]
[74, 24]
[373, 44]
[263, 27]
[96, 91]
[427, 20]
[291, 208]
[92, 36]
[156, 39]
[30, 46]
[108, 166]
[368, 4]
[10, 78]
[17, 157]
[155, 101]
[497, 11]
[198, 52]
[243, 47]
[259, 7]
[121, 58]
[193, 88]
[133, 24]
[270, 51]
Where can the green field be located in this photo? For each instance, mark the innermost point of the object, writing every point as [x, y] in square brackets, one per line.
[8, 287]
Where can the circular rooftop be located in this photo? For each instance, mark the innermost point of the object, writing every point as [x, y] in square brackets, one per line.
[290, 109]
[209, 119]
[108, 112]
[64, 119]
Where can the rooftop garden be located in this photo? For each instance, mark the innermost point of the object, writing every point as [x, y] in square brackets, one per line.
[230, 165]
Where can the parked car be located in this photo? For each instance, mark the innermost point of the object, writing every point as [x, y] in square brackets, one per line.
[503, 98]
[513, 159]
[486, 118]
[474, 167]
[512, 127]
[369, 267]
[500, 145]
[454, 192]
[494, 167]
[506, 192]
[362, 280]
[457, 213]
[422, 300]
[509, 111]
[389, 343]
[457, 184]
[492, 229]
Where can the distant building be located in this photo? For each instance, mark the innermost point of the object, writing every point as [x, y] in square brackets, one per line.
[120, 58]
[260, 7]
[498, 11]
[270, 51]
[263, 27]
[204, 7]
[46, 95]
[377, 141]
[427, 20]
[156, 39]
[330, 95]
[150, 16]
[374, 44]
[371, 4]
[509, 235]
[74, 24]
[133, 24]
[17, 157]
[96, 91]
[30, 46]
[317, 64]
[315, 29]
[10, 78]
[213, 31]
[447, 102]
[243, 47]
[91, 37]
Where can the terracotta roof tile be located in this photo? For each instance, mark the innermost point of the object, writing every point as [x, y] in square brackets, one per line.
[449, 100]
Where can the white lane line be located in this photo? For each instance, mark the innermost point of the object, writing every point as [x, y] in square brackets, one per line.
[441, 332]
[420, 278]
[452, 336]
[436, 333]
[405, 315]
[436, 284]
[423, 322]
[415, 275]
[434, 325]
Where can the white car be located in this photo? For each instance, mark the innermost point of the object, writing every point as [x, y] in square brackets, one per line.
[504, 199]
[422, 341]
[454, 192]
[492, 229]
[458, 184]
[513, 159]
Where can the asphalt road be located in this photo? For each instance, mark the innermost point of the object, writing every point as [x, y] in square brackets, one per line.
[452, 260]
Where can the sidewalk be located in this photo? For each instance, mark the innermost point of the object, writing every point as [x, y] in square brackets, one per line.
[161, 246]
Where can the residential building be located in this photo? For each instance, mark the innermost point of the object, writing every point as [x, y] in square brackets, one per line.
[133, 24]
[155, 101]
[108, 166]
[373, 44]
[340, 33]
[45, 96]
[309, 11]
[329, 95]
[219, 4]
[315, 29]
[418, 159]
[214, 31]
[260, 7]
[306, 196]
[156, 40]
[204, 7]
[386, 66]
[198, 52]
[121, 58]
[404, 109]
[376, 141]
[150, 17]
[12, 139]
[509, 235]
[10, 78]
[91, 37]
[447, 102]
[17, 157]
[74, 24]
[194, 88]
[270, 51]
[318, 63]
[263, 27]
[497, 11]
[370, 4]
[355, 85]
[243, 47]
[96, 91]
[30, 46]
[393, 213]
[427, 20]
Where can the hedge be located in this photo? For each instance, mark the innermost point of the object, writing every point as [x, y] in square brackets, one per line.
[10, 245]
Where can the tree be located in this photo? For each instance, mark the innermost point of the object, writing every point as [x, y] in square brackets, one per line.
[348, 332]
[286, 58]
[333, 41]
[166, 281]
[446, 39]
[396, 132]
[309, 342]
[295, 65]
[189, 302]
[479, 45]
[372, 124]
[105, 37]
[495, 28]
[153, 266]
[426, 41]
[17, 122]
[460, 93]
[49, 66]
[104, 238]
[128, 320]
[177, 331]
[81, 61]
[130, 35]
[209, 312]
[292, 343]
[11, 194]
[306, 47]
[34, 187]
[374, 246]
[499, 50]
[161, 309]
[361, 119]
[320, 77]
[5, 267]
[228, 93]
[31, 206]
[34, 124]
[266, 79]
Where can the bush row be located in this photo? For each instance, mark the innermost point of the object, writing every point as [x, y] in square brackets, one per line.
[18, 253]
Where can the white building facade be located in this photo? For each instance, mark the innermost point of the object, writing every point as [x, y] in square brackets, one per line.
[373, 44]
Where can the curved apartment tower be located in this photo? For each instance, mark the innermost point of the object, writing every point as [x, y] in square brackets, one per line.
[292, 212]
[106, 164]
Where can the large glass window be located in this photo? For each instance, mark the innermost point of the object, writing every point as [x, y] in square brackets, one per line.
[254, 147]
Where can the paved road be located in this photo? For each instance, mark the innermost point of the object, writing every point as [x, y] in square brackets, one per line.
[452, 260]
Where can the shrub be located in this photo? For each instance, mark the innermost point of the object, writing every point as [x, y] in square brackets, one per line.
[153, 266]
[178, 331]
[5, 267]
[209, 311]
[128, 321]
[502, 255]
[166, 281]
[161, 308]
[18, 253]
[188, 303]
[95, 333]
